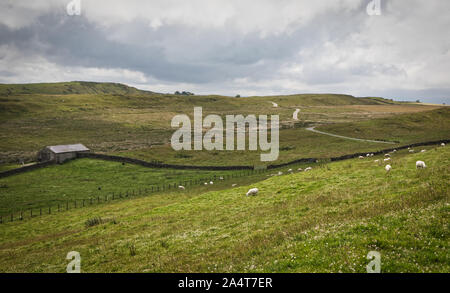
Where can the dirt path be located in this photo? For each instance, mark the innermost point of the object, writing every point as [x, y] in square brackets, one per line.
[346, 137]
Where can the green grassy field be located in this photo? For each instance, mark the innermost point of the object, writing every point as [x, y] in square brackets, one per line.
[86, 179]
[324, 220]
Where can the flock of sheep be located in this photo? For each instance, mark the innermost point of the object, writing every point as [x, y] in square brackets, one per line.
[388, 168]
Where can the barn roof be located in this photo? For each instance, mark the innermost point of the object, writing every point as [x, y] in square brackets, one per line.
[58, 149]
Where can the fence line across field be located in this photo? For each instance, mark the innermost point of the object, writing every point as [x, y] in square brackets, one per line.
[65, 205]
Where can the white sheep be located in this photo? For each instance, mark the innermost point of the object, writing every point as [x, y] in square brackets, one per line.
[206, 183]
[181, 187]
[394, 151]
[252, 191]
[371, 154]
[422, 151]
[387, 159]
[210, 182]
[300, 169]
[361, 157]
[420, 164]
[290, 170]
[368, 155]
[220, 178]
[308, 169]
[387, 155]
[442, 144]
[233, 185]
[280, 173]
[388, 168]
[376, 161]
[411, 151]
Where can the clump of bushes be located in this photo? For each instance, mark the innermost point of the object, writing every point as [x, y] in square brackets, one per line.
[93, 222]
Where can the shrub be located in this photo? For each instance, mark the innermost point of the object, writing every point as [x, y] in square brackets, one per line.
[93, 222]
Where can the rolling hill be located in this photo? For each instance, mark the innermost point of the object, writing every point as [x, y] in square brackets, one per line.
[117, 119]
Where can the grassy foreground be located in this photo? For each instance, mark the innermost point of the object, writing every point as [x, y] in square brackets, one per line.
[325, 220]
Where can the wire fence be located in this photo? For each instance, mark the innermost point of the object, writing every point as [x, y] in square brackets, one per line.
[66, 205]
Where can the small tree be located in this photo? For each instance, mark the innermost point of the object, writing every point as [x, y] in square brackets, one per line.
[238, 96]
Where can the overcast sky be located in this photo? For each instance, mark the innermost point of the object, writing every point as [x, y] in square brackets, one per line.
[231, 47]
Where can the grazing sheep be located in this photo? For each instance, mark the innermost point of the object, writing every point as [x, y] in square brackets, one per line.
[420, 165]
[233, 185]
[280, 173]
[411, 151]
[388, 168]
[371, 154]
[210, 182]
[422, 151]
[308, 169]
[300, 169]
[361, 157]
[253, 191]
[181, 187]
[220, 178]
[206, 183]
[368, 155]
[376, 161]
[387, 159]
[290, 170]
[387, 155]
[394, 151]
[442, 144]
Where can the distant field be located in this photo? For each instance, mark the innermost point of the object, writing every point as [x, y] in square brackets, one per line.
[324, 220]
[88, 178]
[116, 119]
[405, 128]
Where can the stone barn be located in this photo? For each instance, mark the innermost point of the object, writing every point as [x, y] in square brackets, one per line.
[61, 153]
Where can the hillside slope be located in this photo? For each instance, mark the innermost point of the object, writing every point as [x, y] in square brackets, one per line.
[67, 88]
[324, 220]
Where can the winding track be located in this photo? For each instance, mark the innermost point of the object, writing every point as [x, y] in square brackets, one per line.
[346, 137]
